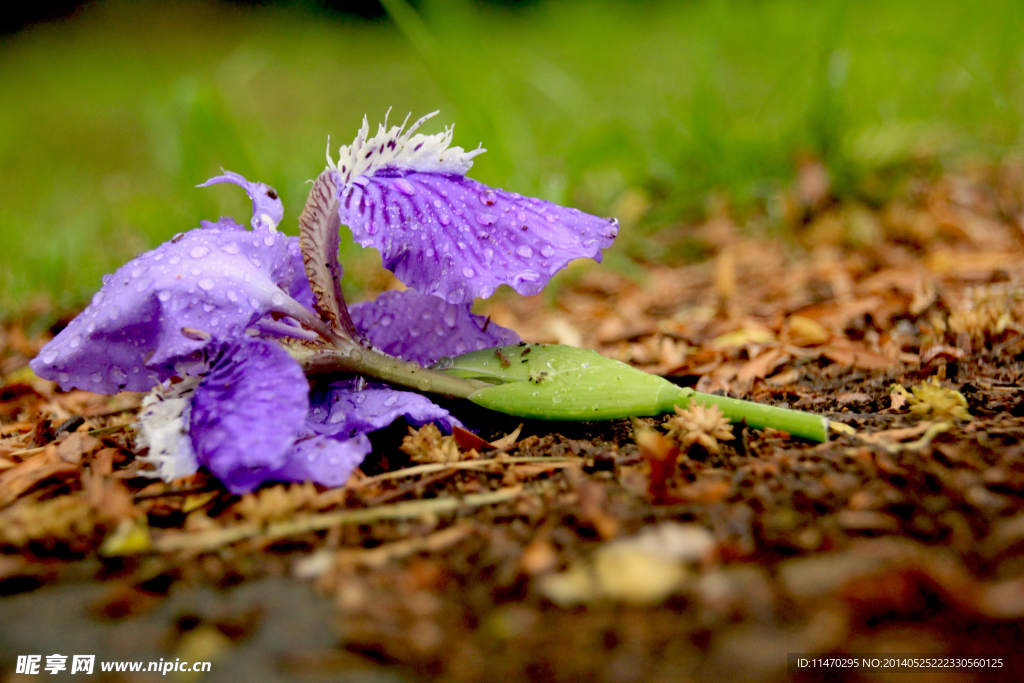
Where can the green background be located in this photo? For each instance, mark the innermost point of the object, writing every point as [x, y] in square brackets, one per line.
[109, 118]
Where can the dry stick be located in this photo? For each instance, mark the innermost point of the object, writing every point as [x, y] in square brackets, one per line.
[208, 540]
[461, 465]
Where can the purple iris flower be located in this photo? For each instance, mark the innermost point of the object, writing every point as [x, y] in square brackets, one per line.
[209, 317]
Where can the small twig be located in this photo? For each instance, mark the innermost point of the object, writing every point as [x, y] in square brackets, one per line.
[170, 493]
[102, 431]
[208, 540]
[430, 468]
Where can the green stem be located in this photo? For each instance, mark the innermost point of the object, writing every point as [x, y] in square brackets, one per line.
[756, 415]
[349, 357]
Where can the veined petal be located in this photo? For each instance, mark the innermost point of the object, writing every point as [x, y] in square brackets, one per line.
[207, 285]
[423, 328]
[267, 209]
[452, 236]
[246, 413]
[350, 408]
[325, 460]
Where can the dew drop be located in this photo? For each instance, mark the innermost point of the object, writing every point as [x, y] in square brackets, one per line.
[551, 217]
[468, 272]
[118, 376]
[230, 248]
[521, 215]
[336, 418]
[356, 355]
[444, 219]
[232, 297]
[547, 251]
[405, 187]
[456, 295]
[449, 316]
[268, 240]
[199, 252]
[75, 342]
[390, 401]
[50, 356]
[206, 283]
[97, 298]
[387, 320]
[486, 219]
[63, 377]
[460, 347]
[174, 259]
[138, 270]
[524, 251]
[487, 198]
[96, 377]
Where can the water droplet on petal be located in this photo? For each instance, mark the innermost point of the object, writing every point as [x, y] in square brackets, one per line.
[230, 248]
[487, 198]
[206, 283]
[405, 187]
[460, 347]
[63, 377]
[524, 251]
[199, 251]
[97, 298]
[96, 377]
[75, 342]
[468, 272]
[456, 295]
[268, 240]
[547, 251]
[390, 401]
[444, 219]
[449, 316]
[486, 219]
[232, 297]
[118, 376]
[387, 320]
[50, 356]
[551, 217]
[138, 270]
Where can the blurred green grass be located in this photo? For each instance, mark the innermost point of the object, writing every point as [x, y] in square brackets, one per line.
[109, 119]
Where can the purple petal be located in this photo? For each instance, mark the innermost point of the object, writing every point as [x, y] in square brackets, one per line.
[267, 210]
[207, 285]
[344, 410]
[422, 328]
[246, 413]
[451, 236]
[300, 289]
[325, 460]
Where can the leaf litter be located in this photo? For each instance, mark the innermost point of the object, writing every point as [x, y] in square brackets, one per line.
[674, 548]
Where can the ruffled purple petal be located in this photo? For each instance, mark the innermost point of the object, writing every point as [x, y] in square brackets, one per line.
[423, 328]
[247, 412]
[267, 209]
[346, 411]
[204, 286]
[449, 235]
[325, 460]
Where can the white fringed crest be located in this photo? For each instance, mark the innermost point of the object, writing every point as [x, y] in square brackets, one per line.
[163, 428]
[424, 153]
